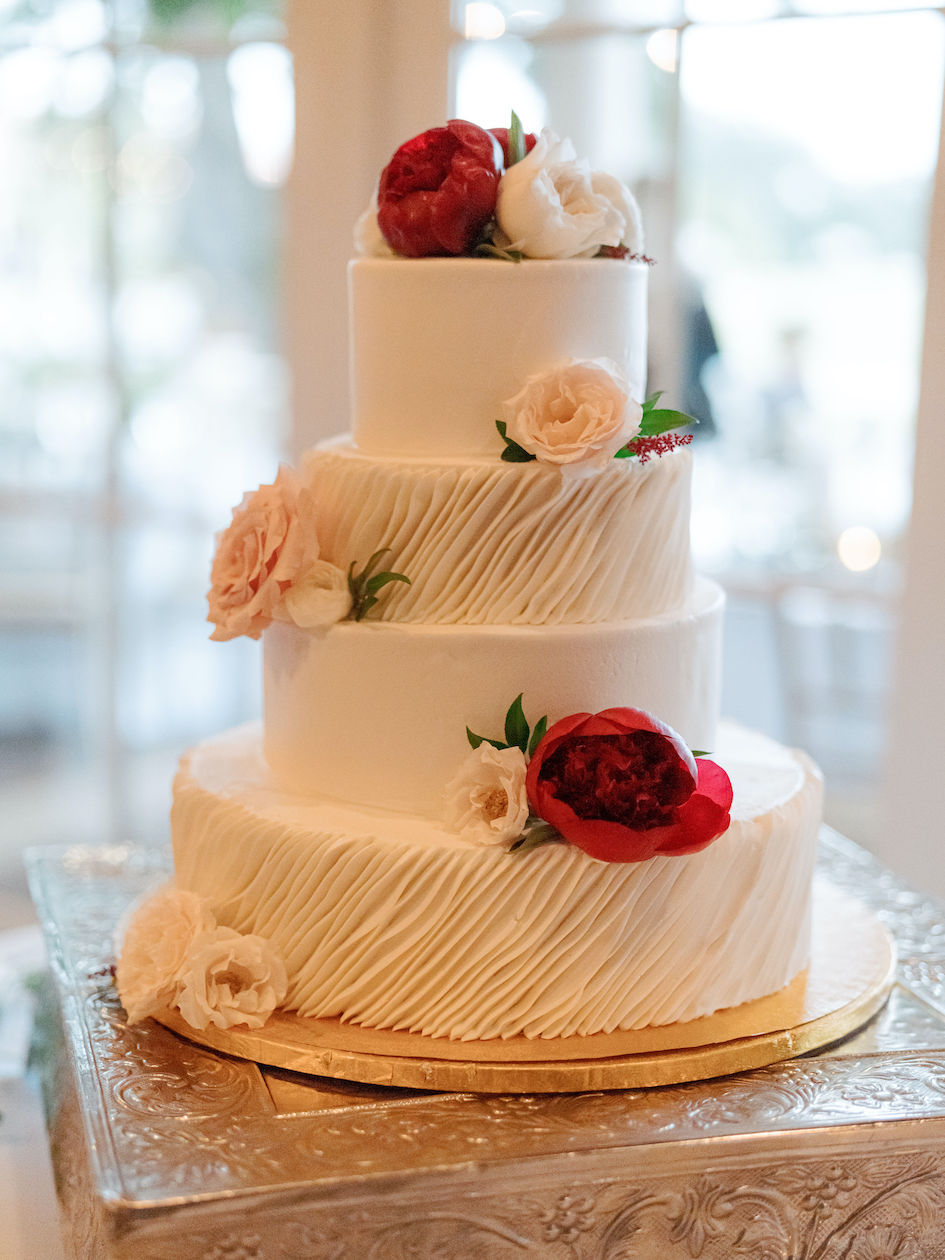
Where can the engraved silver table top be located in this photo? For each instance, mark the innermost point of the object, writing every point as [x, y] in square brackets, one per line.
[164, 1149]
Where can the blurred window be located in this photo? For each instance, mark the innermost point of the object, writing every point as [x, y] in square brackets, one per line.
[783, 153]
[143, 387]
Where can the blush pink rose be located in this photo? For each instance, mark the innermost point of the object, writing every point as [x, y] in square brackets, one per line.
[269, 541]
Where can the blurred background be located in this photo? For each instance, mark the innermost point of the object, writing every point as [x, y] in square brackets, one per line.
[171, 276]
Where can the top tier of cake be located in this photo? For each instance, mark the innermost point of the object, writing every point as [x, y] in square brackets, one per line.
[437, 344]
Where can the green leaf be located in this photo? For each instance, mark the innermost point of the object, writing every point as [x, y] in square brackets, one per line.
[475, 740]
[363, 586]
[485, 249]
[536, 832]
[516, 139]
[662, 420]
[699, 752]
[516, 727]
[624, 453]
[513, 453]
[374, 584]
[369, 567]
[652, 401]
[538, 734]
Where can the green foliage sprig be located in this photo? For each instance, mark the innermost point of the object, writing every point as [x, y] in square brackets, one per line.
[656, 420]
[513, 453]
[486, 249]
[518, 734]
[517, 148]
[364, 586]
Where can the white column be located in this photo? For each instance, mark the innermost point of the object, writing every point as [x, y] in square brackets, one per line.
[369, 74]
[913, 839]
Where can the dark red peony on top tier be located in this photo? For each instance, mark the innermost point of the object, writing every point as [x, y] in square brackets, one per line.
[623, 786]
[439, 190]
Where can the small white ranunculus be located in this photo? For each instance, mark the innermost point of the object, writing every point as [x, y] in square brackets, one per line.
[486, 799]
[153, 945]
[551, 205]
[230, 979]
[579, 414]
[319, 597]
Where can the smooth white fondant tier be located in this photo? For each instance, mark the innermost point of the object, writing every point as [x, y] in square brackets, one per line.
[392, 922]
[437, 344]
[485, 542]
[376, 712]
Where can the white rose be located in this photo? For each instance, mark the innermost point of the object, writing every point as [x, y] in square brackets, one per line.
[230, 979]
[578, 414]
[153, 944]
[486, 799]
[320, 597]
[550, 205]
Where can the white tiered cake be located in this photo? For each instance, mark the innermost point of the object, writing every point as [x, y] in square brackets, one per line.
[350, 831]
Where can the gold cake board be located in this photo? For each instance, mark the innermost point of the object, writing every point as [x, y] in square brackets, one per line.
[851, 972]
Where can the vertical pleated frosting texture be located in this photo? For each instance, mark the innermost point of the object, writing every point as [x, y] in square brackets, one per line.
[485, 542]
[391, 922]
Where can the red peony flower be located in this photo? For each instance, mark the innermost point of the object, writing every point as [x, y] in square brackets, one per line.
[438, 192]
[502, 135]
[623, 786]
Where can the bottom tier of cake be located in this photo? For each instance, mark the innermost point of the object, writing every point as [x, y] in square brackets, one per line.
[391, 922]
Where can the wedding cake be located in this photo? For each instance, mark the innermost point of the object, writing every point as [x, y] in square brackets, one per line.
[490, 795]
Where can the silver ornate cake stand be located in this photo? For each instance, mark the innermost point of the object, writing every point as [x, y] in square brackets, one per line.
[165, 1150]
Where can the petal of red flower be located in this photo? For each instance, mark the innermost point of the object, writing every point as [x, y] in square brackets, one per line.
[582, 794]
[439, 190]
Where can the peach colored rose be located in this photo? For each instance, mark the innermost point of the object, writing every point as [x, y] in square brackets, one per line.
[230, 979]
[486, 799]
[269, 541]
[153, 944]
[580, 413]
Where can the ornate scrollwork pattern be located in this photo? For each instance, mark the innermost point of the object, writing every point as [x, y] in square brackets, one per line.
[181, 1136]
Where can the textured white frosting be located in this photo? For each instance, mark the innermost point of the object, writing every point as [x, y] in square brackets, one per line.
[371, 712]
[437, 344]
[391, 922]
[485, 542]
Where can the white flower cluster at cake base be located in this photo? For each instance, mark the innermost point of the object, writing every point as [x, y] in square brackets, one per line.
[172, 954]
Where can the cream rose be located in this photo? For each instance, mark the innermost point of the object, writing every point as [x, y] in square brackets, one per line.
[153, 943]
[578, 414]
[319, 597]
[551, 205]
[269, 541]
[485, 799]
[230, 979]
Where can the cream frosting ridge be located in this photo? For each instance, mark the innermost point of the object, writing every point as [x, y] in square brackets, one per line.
[485, 542]
[393, 922]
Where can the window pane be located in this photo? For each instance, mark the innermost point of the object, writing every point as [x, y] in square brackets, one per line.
[143, 392]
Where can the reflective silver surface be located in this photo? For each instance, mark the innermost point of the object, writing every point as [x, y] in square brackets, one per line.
[165, 1150]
